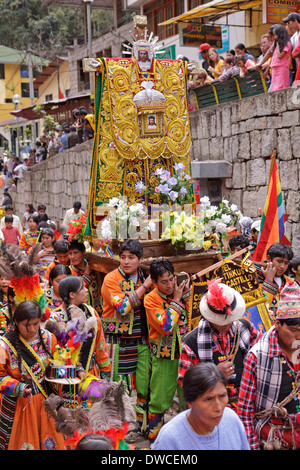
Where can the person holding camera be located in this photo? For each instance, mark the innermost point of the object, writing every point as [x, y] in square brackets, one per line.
[167, 307]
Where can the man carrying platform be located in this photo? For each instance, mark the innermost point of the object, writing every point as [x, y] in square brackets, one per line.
[167, 308]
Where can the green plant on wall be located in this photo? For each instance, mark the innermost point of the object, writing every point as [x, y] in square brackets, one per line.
[49, 122]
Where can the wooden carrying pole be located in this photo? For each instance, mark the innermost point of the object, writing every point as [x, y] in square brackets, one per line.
[216, 265]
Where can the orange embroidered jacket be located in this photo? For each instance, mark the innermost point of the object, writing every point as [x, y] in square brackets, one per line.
[122, 312]
[168, 322]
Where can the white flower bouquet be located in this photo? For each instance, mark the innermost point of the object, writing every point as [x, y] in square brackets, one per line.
[171, 188]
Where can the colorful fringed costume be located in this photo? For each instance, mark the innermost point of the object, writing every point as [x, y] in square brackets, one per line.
[168, 323]
[93, 355]
[27, 240]
[125, 326]
[24, 424]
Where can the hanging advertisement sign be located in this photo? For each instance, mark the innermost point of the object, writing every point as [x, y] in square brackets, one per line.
[273, 11]
[194, 34]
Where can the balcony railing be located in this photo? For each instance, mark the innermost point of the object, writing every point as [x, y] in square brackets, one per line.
[235, 88]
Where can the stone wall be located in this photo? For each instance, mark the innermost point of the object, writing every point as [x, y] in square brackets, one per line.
[244, 134]
[56, 182]
[238, 138]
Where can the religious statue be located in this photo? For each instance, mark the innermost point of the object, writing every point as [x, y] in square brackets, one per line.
[141, 124]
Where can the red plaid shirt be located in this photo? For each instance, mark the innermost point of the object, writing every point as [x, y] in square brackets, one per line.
[222, 341]
[247, 394]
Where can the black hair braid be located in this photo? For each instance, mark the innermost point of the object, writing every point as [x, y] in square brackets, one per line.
[19, 354]
[9, 310]
[43, 343]
[66, 300]
[10, 293]
[1, 296]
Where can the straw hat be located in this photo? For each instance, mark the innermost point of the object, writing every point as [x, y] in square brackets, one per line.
[222, 304]
[289, 301]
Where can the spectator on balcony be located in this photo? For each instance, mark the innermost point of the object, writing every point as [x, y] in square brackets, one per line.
[240, 49]
[64, 138]
[216, 64]
[244, 64]
[72, 138]
[204, 48]
[230, 54]
[229, 69]
[41, 151]
[266, 42]
[292, 23]
[280, 63]
[200, 79]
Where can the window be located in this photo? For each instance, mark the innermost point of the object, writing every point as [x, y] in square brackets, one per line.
[49, 97]
[160, 11]
[2, 72]
[24, 72]
[84, 77]
[25, 91]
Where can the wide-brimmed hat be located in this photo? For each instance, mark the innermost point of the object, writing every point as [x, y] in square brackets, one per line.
[289, 301]
[222, 304]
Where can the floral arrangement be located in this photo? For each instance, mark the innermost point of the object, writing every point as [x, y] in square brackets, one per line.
[77, 228]
[123, 221]
[171, 187]
[216, 219]
[202, 228]
[182, 228]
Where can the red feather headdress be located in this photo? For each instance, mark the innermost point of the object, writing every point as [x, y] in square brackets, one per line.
[216, 298]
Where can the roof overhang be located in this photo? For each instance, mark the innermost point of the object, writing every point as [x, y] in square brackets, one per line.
[48, 71]
[214, 10]
[29, 114]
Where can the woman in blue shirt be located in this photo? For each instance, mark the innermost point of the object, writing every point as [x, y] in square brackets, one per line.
[207, 424]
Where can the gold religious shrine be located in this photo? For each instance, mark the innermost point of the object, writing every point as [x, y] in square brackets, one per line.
[141, 123]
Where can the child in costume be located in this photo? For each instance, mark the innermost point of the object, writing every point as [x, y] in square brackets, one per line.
[93, 353]
[47, 254]
[294, 269]
[273, 276]
[24, 424]
[30, 236]
[80, 267]
[57, 273]
[7, 304]
[125, 324]
[167, 308]
[61, 251]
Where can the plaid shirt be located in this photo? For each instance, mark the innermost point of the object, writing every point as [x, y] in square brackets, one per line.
[258, 394]
[188, 357]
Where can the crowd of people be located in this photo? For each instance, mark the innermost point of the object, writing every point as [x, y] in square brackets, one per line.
[65, 136]
[236, 385]
[280, 49]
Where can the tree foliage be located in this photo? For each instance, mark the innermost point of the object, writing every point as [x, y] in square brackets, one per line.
[46, 30]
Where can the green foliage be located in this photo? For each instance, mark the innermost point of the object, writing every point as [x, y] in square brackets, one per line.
[46, 30]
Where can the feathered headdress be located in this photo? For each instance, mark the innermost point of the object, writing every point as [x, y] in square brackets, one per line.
[216, 297]
[109, 416]
[24, 276]
[70, 336]
[222, 304]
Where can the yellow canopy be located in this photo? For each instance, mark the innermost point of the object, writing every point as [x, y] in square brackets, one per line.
[214, 8]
